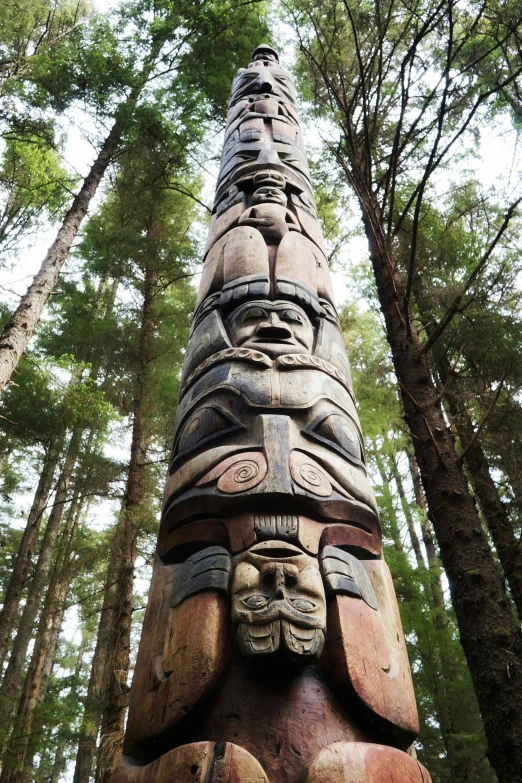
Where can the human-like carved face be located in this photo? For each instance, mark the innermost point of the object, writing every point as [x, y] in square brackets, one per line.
[269, 195]
[275, 328]
[271, 81]
[278, 602]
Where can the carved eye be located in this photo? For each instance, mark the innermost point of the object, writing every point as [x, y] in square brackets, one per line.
[302, 605]
[341, 432]
[205, 423]
[255, 312]
[256, 601]
[291, 315]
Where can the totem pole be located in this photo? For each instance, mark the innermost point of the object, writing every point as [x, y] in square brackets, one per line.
[272, 649]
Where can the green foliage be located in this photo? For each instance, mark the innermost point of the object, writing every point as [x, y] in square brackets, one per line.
[34, 187]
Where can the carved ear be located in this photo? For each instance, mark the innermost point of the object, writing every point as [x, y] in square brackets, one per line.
[343, 574]
[210, 569]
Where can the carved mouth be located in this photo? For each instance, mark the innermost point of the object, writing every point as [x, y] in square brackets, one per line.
[271, 550]
[275, 340]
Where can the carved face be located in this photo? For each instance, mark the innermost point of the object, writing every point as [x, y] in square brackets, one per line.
[278, 602]
[275, 328]
[269, 195]
[306, 453]
[263, 81]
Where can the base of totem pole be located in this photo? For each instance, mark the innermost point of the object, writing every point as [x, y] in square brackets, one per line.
[218, 762]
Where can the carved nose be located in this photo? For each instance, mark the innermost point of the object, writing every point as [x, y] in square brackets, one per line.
[280, 573]
[273, 331]
[266, 87]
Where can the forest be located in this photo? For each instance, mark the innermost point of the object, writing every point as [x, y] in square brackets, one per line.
[111, 125]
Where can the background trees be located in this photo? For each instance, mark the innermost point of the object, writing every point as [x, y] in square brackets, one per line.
[405, 91]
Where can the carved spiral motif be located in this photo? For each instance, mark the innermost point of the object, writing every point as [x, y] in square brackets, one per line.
[246, 472]
[238, 473]
[309, 475]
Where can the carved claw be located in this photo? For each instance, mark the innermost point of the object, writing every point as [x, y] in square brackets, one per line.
[343, 574]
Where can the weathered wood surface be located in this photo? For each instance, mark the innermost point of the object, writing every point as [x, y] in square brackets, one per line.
[272, 648]
[363, 763]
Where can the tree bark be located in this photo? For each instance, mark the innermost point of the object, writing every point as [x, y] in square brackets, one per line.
[112, 725]
[22, 564]
[12, 683]
[489, 634]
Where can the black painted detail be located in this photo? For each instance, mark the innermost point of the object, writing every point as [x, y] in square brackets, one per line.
[210, 569]
[343, 574]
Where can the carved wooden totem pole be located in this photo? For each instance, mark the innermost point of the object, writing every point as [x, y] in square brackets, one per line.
[272, 648]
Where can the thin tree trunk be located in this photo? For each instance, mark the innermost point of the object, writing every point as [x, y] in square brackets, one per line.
[94, 701]
[20, 328]
[59, 760]
[24, 743]
[116, 697]
[405, 588]
[420, 501]
[47, 643]
[456, 736]
[9, 612]
[12, 683]
[407, 513]
[508, 548]
[435, 647]
[489, 634]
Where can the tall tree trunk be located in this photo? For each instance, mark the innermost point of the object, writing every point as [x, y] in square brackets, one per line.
[508, 548]
[435, 647]
[22, 564]
[111, 738]
[489, 634]
[406, 591]
[20, 328]
[12, 683]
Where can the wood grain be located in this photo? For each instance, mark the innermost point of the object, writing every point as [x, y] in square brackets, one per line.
[197, 762]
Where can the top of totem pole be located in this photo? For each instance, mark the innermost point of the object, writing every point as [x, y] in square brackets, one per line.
[265, 52]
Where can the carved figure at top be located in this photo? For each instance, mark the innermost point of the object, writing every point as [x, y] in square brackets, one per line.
[272, 649]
